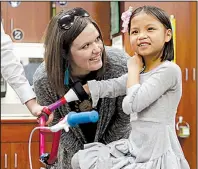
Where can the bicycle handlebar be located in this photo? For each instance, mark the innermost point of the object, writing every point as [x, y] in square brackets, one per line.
[73, 119]
[70, 120]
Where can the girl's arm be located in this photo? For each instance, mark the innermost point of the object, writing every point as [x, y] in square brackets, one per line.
[140, 96]
[106, 88]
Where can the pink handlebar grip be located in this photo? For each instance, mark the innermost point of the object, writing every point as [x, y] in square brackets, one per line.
[57, 104]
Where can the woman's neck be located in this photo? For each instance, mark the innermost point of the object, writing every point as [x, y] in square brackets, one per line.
[80, 74]
[80, 77]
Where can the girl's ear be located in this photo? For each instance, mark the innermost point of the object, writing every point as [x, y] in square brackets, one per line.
[168, 35]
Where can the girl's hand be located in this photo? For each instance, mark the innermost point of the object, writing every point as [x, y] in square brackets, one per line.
[135, 63]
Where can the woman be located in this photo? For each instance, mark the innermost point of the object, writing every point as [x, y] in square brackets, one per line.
[74, 51]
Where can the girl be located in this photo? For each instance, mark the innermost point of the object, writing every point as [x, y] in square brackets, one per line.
[152, 94]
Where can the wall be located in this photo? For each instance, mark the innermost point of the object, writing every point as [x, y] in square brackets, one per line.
[29, 17]
[99, 11]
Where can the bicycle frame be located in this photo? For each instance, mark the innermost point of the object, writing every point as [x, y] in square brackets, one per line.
[77, 92]
[49, 158]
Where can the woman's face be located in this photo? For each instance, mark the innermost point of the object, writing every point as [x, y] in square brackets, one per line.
[148, 35]
[86, 51]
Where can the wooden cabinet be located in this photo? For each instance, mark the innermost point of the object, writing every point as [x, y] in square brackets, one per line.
[186, 21]
[19, 155]
[15, 155]
[5, 155]
[187, 51]
[14, 144]
[30, 17]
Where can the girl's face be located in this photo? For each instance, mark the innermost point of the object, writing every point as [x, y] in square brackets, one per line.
[148, 35]
[86, 51]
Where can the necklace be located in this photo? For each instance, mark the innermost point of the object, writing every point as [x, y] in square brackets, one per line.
[144, 66]
[143, 69]
[82, 106]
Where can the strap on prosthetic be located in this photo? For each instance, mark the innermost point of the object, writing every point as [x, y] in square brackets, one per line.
[79, 90]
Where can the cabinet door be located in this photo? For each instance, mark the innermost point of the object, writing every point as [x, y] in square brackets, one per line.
[4, 14]
[189, 145]
[30, 17]
[5, 156]
[35, 155]
[48, 146]
[19, 155]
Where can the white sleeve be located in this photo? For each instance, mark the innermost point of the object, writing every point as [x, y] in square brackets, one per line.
[12, 70]
[107, 88]
[140, 96]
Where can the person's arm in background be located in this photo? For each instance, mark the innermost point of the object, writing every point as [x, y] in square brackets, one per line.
[13, 72]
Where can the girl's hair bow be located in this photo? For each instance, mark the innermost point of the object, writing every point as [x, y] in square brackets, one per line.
[125, 18]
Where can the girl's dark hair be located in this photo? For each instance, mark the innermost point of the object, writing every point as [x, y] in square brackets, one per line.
[57, 46]
[162, 16]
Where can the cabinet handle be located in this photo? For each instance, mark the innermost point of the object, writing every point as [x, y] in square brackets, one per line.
[186, 70]
[15, 160]
[11, 24]
[194, 74]
[6, 161]
[2, 20]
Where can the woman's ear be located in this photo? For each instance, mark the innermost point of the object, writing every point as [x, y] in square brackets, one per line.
[168, 35]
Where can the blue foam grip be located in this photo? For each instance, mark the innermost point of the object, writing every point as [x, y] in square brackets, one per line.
[74, 118]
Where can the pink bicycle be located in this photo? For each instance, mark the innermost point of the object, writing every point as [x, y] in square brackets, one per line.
[71, 120]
